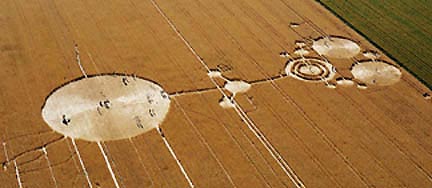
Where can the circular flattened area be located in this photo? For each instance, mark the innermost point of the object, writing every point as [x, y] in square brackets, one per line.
[310, 69]
[106, 107]
[336, 47]
[237, 86]
[377, 73]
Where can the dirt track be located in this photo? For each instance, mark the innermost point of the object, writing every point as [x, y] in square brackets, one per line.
[343, 137]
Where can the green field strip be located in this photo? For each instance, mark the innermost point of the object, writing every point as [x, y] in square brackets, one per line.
[401, 29]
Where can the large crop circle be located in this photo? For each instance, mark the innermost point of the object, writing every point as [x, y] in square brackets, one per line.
[336, 47]
[378, 73]
[106, 107]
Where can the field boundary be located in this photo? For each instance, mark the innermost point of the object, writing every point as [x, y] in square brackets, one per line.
[375, 44]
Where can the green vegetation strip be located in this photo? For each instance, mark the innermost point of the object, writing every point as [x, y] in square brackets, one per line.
[401, 29]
